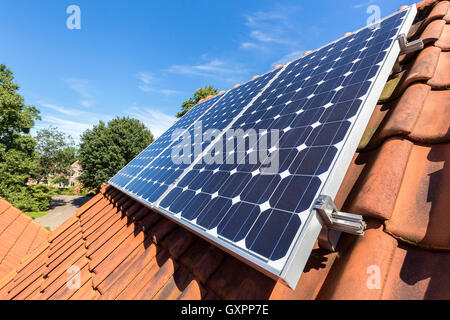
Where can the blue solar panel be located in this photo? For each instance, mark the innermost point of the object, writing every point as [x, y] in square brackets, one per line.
[148, 155]
[154, 176]
[313, 104]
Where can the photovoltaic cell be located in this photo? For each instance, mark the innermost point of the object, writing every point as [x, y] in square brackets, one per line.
[313, 102]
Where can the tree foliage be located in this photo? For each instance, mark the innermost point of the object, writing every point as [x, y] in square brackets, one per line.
[106, 148]
[56, 154]
[18, 158]
[197, 96]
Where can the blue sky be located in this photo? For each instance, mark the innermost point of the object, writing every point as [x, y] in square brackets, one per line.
[143, 58]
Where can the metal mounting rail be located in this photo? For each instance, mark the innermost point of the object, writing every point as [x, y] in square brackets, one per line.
[336, 222]
[409, 47]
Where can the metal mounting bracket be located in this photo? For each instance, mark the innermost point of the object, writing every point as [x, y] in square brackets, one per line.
[409, 47]
[406, 48]
[336, 222]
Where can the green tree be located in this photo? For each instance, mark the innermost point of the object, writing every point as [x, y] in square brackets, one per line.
[197, 96]
[18, 158]
[56, 153]
[107, 148]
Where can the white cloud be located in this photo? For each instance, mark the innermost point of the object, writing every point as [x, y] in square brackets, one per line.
[275, 27]
[211, 68]
[158, 122]
[84, 89]
[289, 57]
[73, 128]
[59, 109]
[71, 121]
[146, 79]
[363, 4]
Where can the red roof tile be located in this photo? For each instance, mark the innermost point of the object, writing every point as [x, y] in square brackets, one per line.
[19, 236]
[398, 179]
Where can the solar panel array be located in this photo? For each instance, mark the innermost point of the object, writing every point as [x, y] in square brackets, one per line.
[313, 102]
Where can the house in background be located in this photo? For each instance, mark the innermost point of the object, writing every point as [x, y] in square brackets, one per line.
[76, 173]
[72, 180]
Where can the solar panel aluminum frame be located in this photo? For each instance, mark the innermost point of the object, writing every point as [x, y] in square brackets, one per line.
[305, 242]
[291, 269]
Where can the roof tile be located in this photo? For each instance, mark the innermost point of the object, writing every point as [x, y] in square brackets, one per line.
[433, 31]
[312, 279]
[422, 69]
[439, 11]
[441, 78]
[417, 274]
[360, 258]
[194, 291]
[404, 115]
[444, 39]
[434, 122]
[236, 280]
[379, 184]
[421, 211]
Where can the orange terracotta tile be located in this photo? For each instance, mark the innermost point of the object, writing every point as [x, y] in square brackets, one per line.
[88, 204]
[141, 214]
[194, 291]
[149, 220]
[444, 39]
[432, 31]
[34, 278]
[361, 268]
[86, 292]
[314, 275]
[178, 241]
[124, 235]
[159, 230]
[8, 217]
[111, 233]
[236, 280]
[446, 18]
[52, 285]
[158, 281]
[175, 286]
[77, 259]
[355, 169]
[94, 229]
[418, 274]
[76, 249]
[119, 280]
[404, 114]
[377, 188]
[439, 11]
[62, 230]
[143, 277]
[4, 205]
[434, 121]
[441, 78]
[421, 211]
[110, 263]
[65, 292]
[421, 5]
[207, 263]
[422, 69]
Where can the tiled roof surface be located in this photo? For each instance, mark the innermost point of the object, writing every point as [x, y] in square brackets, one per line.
[19, 236]
[399, 180]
